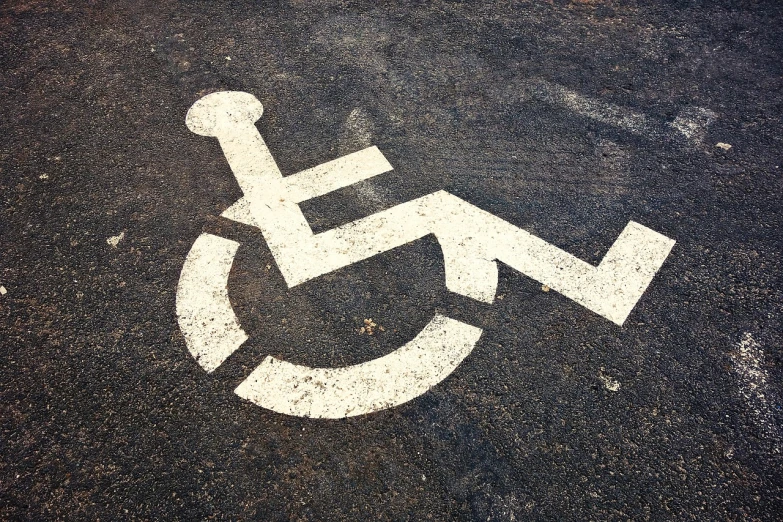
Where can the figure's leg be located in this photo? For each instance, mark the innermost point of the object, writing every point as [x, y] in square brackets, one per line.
[472, 239]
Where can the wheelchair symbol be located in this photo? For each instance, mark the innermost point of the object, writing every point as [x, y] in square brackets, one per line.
[471, 239]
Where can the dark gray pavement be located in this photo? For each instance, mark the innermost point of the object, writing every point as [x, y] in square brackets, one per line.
[567, 119]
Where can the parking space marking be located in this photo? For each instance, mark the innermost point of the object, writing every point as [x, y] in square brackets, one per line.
[471, 239]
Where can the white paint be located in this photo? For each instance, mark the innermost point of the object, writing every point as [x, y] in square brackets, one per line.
[754, 387]
[207, 321]
[382, 383]
[608, 113]
[357, 132]
[692, 122]
[749, 359]
[115, 240]
[367, 193]
[360, 126]
[320, 180]
[472, 241]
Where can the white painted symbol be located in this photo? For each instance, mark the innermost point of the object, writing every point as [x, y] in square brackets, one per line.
[472, 241]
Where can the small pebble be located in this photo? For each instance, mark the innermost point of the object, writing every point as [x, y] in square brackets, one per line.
[115, 240]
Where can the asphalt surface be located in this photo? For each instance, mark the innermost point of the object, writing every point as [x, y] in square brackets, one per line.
[567, 119]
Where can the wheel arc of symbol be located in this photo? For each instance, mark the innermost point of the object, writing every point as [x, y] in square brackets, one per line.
[212, 333]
